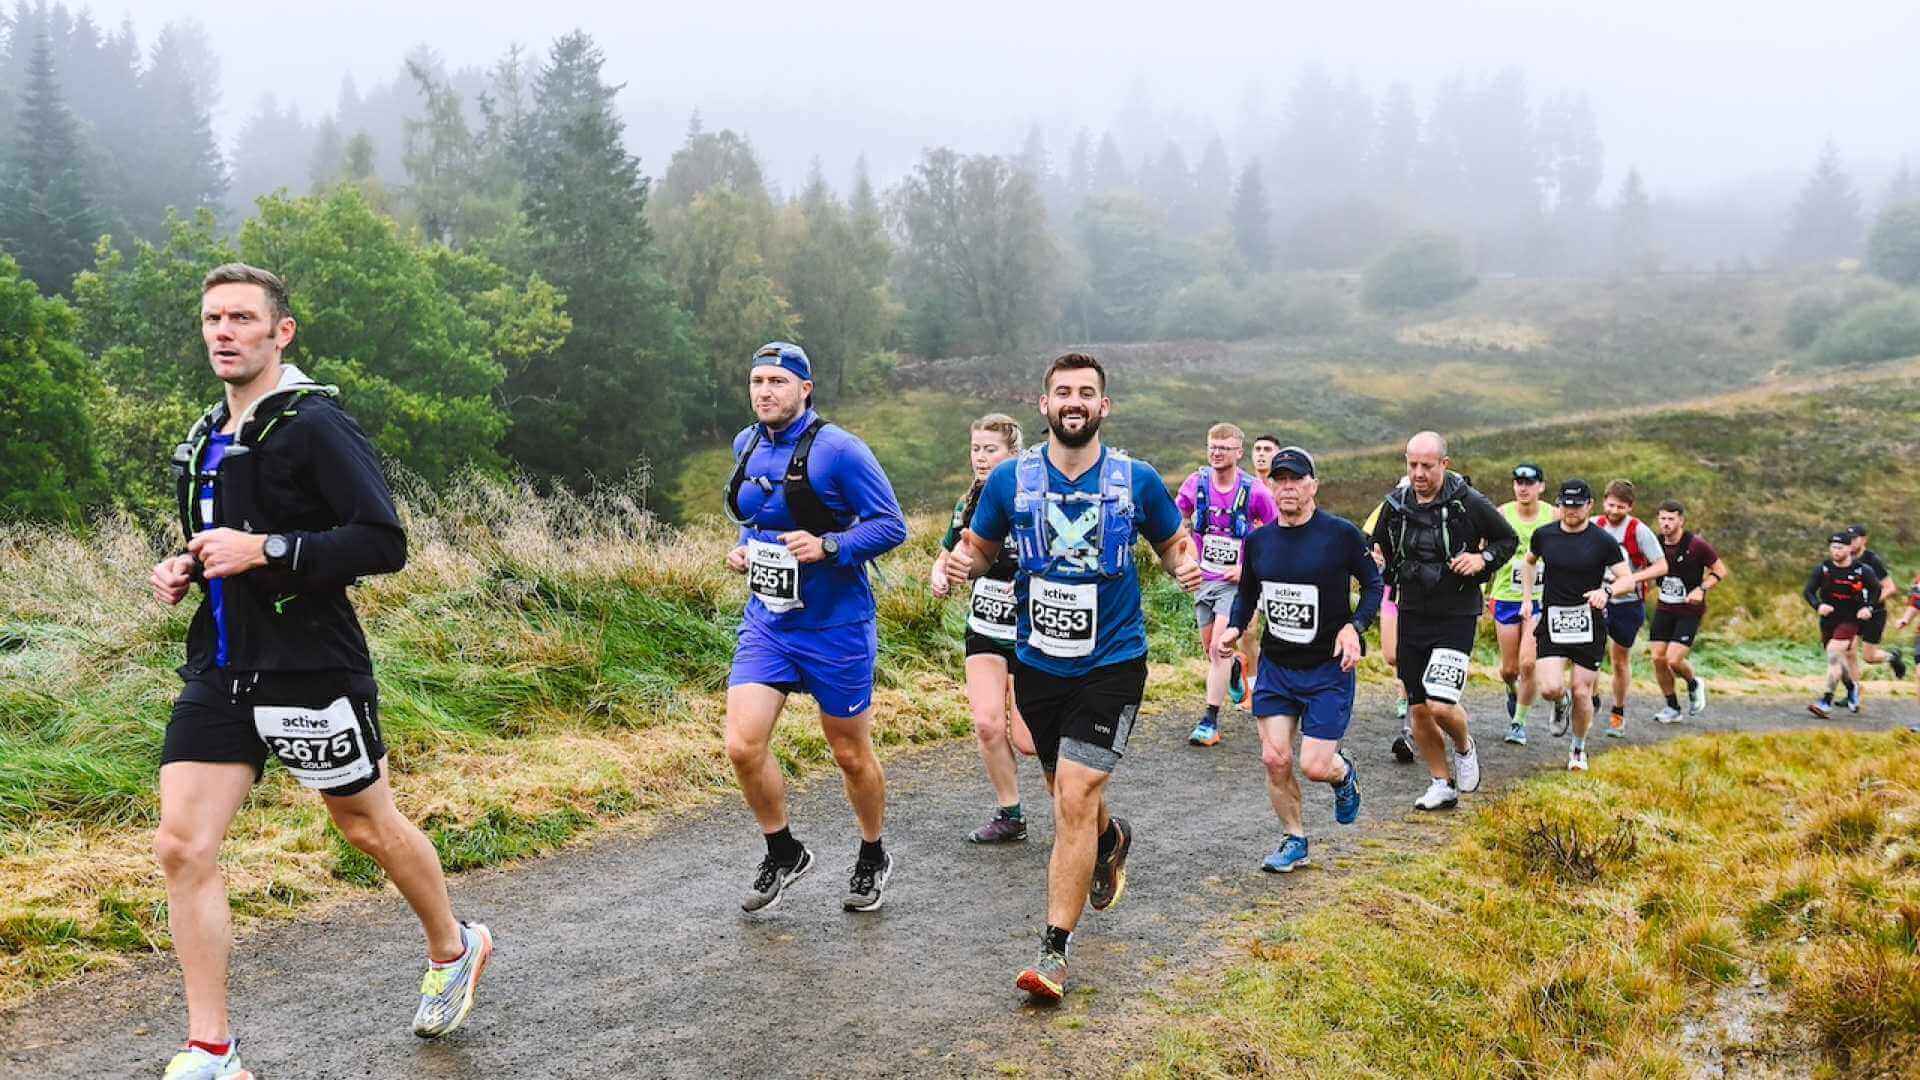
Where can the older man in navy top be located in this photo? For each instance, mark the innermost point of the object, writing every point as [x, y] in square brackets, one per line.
[813, 508]
[1298, 572]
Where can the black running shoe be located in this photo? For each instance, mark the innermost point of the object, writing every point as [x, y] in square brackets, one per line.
[1403, 748]
[773, 879]
[1897, 662]
[865, 884]
[1110, 873]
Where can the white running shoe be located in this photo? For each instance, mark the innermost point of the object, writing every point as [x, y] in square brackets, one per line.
[1577, 759]
[1440, 795]
[1466, 768]
[1667, 715]
[1697, 698]
[194, 1063]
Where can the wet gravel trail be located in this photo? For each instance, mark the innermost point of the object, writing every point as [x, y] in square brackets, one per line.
[631, 957]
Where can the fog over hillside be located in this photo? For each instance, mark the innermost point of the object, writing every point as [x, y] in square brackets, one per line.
[1706, 96]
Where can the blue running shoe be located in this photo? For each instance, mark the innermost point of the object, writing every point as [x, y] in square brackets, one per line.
[1205, 733]
[1292, 852]
[1346, 797]
[1517, 733]
[1236, 683]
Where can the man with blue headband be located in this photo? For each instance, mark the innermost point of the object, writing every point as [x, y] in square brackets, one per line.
[813, 508]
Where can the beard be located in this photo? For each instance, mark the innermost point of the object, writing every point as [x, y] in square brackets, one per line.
[1076, 439]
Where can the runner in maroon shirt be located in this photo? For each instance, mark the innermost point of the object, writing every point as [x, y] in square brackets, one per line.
[1693, 570]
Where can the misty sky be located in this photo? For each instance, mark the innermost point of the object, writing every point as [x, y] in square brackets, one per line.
[1699, 93]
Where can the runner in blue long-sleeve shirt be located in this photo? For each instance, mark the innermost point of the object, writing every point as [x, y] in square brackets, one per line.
[1297, 573]
[814, 508]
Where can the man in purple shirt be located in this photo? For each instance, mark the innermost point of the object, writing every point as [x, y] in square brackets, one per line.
[1222, 504]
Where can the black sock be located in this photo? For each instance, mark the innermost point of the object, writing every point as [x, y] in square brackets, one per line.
[1011, 813]
[1673, 700]
[1619, 710]
[783, 847]
[1056, 939]
[1109, 838]
[1213, 714]
[1826, 698]
[1692, 685]
[1846, 684]
[871, 852]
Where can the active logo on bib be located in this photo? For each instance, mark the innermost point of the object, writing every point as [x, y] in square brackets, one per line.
[773, 575]
[1570, 625]
[992, 612]
[1672, 590]
[1219, 554]
[1446, 676]
[1292, 611]
[322, 748]
[1064, 618]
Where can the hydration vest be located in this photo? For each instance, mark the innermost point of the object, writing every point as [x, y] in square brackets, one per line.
[1404, 518]
[1636, 559]
[1032, 534]
[1203, 492]
[803, 503]
[187, 456]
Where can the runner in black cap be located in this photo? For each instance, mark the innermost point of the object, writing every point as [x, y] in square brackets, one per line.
[1585, 569]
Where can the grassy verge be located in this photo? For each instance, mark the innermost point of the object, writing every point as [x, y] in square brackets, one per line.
[1573, 927]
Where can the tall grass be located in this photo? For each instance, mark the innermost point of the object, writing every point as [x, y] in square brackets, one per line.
[1789, 861]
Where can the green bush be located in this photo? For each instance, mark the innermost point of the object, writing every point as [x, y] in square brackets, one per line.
[1812, 310]
[1209, 307]
[1420, 271]
[1893, 247]
[1881, 330]
[1298, 304]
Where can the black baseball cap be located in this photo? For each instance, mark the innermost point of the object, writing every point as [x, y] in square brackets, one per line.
[1575, 492]
[1844, 536]
[1857, 530]
[1529, 472]
[1293, 460]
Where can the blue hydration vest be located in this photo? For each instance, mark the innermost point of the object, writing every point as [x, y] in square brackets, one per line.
[1033, 536]
[1202, 492]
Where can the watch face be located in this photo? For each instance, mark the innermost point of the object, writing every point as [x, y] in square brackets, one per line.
[276, 547]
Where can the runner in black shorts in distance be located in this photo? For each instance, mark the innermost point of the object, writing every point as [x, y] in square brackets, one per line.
[990, 660]
[1841, 592]
[1585, 570]
[1693, 570]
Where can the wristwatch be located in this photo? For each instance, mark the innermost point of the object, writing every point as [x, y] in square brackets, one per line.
[277, 549]
[830, 546]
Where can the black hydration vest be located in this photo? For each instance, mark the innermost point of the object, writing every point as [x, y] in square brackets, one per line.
[803, 503]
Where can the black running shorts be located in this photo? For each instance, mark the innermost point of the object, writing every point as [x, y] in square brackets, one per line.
[323, 726]
[1434, 655]
[1677, 627]
[1085, 719]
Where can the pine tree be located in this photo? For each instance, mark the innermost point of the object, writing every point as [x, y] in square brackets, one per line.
[1109, 168]
[175, 163]
[1904, 187]
[1398, 143]
[613, 398]
[1826, 220]
[1212, 187]
[49, 219]
[1633, 248]
[1252, 220]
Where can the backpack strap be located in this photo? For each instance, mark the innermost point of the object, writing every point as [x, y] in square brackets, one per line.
[803, 502]
[1117, 531]
[740, 477]
[1031, 534]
